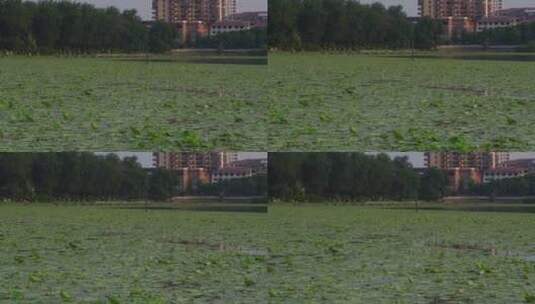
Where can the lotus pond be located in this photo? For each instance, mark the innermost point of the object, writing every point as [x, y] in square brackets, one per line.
[330, 254]
[387, 102]
[294, 254]
[55, 254]
[132, 103]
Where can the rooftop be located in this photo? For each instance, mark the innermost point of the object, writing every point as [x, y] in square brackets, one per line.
[499, 19]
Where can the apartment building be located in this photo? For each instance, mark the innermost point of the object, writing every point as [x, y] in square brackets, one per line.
[193, 160]
[459, 16]
[227, 26]
[510, 169]
[195, 168]
[462, 169]
[490, 23]
[472, 9]
[230, 173]
[477, 160]
[506, 18]
[503, 173]
[193, 18]
[255, 19]
[207, 11]
[528, 163]
[257, 166]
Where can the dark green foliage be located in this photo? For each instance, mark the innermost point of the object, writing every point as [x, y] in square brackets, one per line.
[347, 176]
[252, 39]
[15, 176]
[163, 184]
[284, 175]
[346, 24]
[67, 27]
[163, 37]
[252, 186]
[81, 176]
[427, 33]
[433, 185]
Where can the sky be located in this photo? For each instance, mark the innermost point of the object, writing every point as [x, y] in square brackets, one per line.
[144, 6]
[411, 6]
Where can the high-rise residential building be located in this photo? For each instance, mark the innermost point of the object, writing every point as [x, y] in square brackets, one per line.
[462, 169]
[194, 168]
[179, 11]
[472, 9]
[476, 160]
[193, 18]
[193, 160]
[459, 16]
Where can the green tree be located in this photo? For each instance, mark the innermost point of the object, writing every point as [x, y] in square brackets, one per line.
[15, 176]
[433, 185]
[63, 26]
[162, 37]
[162, 185]
[427, 33]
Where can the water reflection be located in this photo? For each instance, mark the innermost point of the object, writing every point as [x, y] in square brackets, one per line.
[254, 208]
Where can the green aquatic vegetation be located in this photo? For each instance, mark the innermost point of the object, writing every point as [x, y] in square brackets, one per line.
[339, 254]
[55, 254]
[297, 254]
[57, 104]
[529, 297]
[400, 104]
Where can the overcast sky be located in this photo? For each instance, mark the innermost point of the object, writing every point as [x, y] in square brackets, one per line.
[411, 6]
[144, 6]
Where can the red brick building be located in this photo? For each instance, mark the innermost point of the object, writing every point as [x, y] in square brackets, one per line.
[193, 18]
[461, 178]
[464, 168]
[195, 168]
[459, 16]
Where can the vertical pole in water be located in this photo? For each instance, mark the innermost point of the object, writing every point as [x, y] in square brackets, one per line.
[145, 193]
[412, 41]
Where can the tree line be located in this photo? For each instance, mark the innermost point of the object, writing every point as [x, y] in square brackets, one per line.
[350, 177]
[81, 177]
[518, 186]
[251, 39]
[250, 186]
[71, 27]
[346, 24]
[522, 34]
